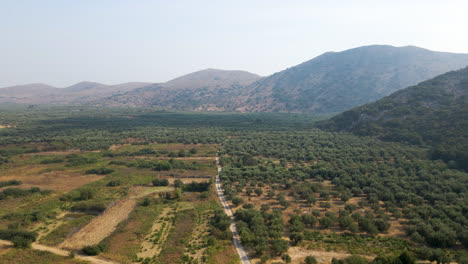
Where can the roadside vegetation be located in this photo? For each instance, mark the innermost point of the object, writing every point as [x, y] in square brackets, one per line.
[293, 189]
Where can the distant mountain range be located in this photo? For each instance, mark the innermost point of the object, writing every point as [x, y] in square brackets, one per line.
[208, 89]
[80, 93]
[332, 82]
[433, 113]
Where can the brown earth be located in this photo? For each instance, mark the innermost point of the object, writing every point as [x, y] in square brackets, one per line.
[101, 226]
[62, 181]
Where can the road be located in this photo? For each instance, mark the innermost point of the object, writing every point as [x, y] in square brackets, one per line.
[227, 209]
[62, 252]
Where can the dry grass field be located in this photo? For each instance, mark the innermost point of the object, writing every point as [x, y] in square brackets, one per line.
[134, 213]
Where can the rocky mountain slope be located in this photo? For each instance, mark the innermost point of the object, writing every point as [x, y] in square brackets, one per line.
[338, 81]
[209, 89]
[330, 83]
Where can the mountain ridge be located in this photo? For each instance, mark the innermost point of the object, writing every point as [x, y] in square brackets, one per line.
[432, 113]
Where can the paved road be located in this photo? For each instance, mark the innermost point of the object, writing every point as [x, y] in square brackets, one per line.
[235, 235]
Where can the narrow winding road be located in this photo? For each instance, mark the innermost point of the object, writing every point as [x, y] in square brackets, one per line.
[235, 235]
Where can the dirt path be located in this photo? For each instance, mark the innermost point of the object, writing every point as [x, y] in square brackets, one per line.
[227, 209]
[101, 226]
[62, 252]
[43, 229]
[298, 254]
[152, 245]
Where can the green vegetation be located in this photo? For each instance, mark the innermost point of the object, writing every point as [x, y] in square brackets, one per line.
[17, 192]
[432, 114]
[9, 183]
[101, 171]
[72, 222]
[35, 257]
[290, 184]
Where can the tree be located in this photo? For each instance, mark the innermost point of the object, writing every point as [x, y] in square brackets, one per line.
[406, 258]
[258, 191]
[236, 201]
[86, 193]
[296, 238]
[310, 260]
[326, 222]
[160, 182]
[279, 246]
[21, 242]
[286, 258]
[265, 207]
[193, 151]
[309, 220]
[345, 221]
[178, 183]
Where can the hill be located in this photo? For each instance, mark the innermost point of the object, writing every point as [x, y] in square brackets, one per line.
[80, 93]
[432, 113]
[338, 81]
[208, 89]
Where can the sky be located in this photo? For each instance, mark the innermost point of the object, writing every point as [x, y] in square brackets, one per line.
[62, 42]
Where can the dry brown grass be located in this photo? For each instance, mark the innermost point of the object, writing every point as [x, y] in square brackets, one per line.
[148, 248]
[101, 226]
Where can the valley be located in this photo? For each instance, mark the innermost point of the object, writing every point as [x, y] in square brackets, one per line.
[144, 190]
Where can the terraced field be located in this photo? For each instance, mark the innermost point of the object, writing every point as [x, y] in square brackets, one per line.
[110, 201]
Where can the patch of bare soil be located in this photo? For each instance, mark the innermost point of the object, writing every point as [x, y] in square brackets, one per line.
[298, 255]
[62, 181]
[44, 228]
[115, 147]
[4, 248]
[101, 226]
[152, 245]
[55, 153]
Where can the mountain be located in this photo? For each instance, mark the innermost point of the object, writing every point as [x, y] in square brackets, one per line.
[202, 90]
[330, 83]
[80, 93]
[433, 113]
[27, 90]
[338, 81]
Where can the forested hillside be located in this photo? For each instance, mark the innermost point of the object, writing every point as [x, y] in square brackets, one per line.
[433, 113]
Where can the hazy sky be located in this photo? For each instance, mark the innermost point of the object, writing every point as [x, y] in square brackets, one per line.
[61, 42]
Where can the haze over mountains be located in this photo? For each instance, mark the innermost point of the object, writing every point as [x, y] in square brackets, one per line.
[80, 93]
[208, 89]
[330, 83]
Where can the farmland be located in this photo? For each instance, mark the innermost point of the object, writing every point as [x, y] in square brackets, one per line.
[136, 186]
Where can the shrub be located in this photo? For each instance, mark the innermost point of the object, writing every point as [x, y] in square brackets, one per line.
[92, 250]
[100, 171]
[11, 234]
[310, 260]
[52, 160]
[86, 193]
[178, 184]
[21, 242]
[113, 183]
[10, 183]
[160, 182]
[197, 187]
[89, 207]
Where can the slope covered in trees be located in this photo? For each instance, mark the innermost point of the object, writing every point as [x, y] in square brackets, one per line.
[432, 113]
